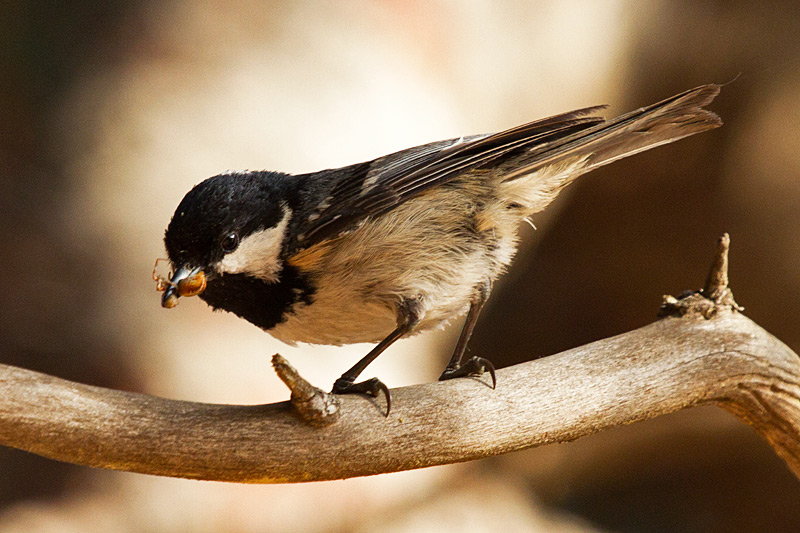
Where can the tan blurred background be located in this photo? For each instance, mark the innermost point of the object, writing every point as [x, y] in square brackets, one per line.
[110, 112]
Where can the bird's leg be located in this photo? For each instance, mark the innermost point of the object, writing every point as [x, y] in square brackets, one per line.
[474, 366]
[408, 317]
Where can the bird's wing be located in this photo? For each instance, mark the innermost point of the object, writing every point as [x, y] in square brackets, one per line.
[347, 196]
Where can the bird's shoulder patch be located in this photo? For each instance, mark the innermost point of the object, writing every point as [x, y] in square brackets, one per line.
[310, 257]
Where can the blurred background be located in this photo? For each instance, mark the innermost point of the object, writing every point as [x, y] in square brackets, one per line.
[111, 111]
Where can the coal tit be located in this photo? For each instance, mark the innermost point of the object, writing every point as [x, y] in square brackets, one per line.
[385, 249]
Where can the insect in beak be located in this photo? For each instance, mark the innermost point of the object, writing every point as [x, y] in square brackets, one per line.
[185, 281]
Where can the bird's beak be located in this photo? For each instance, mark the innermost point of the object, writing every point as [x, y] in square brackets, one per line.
[186, 281]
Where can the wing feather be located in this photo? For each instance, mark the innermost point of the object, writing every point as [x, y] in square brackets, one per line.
[370, 189]
[343, 198]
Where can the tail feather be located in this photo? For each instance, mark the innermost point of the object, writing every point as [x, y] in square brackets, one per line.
[547, 169]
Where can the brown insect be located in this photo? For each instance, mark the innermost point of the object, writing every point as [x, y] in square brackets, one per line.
[189, 286]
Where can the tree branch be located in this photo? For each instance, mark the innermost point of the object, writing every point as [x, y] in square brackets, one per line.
[682, 360]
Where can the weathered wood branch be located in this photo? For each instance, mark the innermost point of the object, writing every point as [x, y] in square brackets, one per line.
[677, 362]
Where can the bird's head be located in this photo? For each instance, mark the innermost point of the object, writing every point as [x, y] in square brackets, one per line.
[230, 225]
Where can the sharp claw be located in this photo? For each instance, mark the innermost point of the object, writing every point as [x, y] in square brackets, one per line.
[474, 366]
[490, 367]
[388, 395]
[371, 387]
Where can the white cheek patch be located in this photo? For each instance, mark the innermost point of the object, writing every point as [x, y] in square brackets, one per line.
[258, 254]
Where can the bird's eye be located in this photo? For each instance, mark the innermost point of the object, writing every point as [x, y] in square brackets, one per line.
[230, 242]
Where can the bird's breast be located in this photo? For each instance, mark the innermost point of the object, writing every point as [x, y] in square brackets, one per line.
[437, 257]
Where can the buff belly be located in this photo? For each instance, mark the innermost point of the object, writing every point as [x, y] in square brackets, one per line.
[412, 253]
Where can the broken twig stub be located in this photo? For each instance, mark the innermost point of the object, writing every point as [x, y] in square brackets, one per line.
[714, 296]
[314, 405]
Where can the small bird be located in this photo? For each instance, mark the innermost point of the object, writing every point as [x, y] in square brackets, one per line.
[385, 249]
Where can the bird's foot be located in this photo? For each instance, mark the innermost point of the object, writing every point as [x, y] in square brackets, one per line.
[372, 387]
[474, 366]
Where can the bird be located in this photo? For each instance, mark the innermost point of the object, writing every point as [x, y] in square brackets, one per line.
[382, 250]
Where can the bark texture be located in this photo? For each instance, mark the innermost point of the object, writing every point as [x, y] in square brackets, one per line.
[702, 351]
